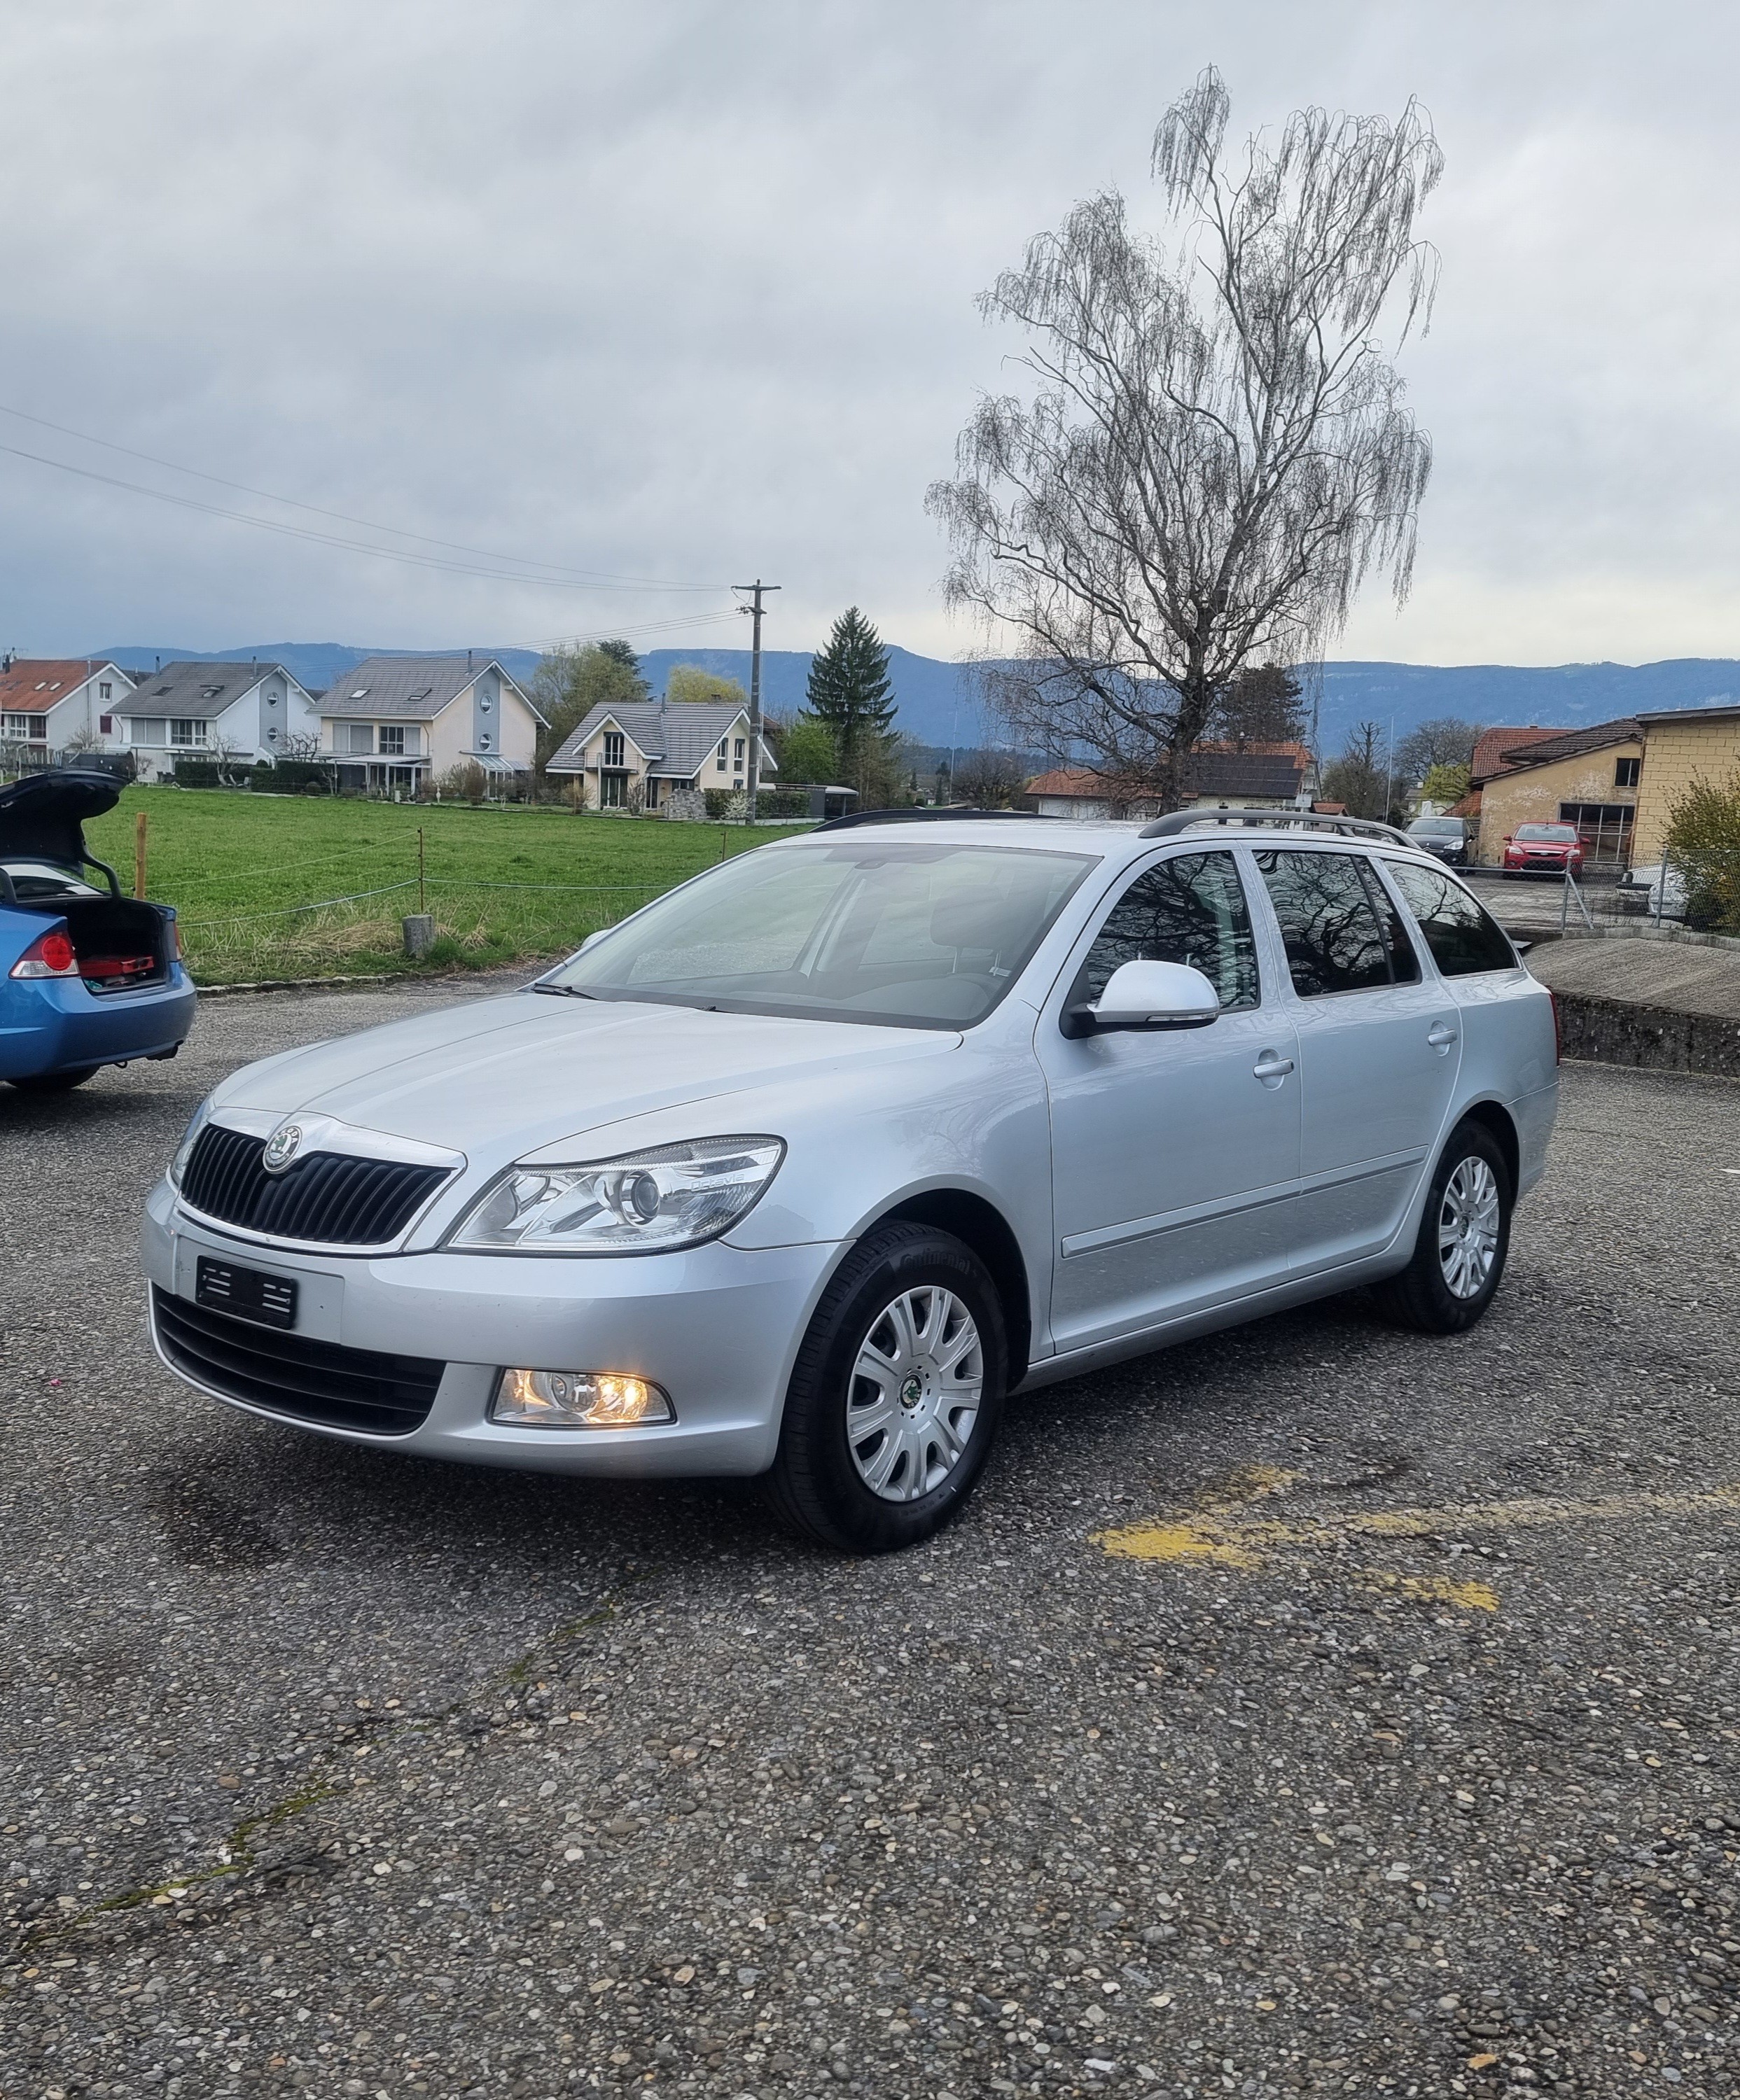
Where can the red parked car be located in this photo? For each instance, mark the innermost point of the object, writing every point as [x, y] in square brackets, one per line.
[1543, 849]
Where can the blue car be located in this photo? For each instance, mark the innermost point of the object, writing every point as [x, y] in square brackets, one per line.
[88, 978]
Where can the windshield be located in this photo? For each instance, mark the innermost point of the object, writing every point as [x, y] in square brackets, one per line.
[904, 935]
[41, 881]
[1558, 835]
[1436, 827]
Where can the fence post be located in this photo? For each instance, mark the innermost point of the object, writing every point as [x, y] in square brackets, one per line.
[422, 902]
[140, 823]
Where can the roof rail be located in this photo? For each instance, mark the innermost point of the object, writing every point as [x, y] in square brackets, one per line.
[929, 816]
[1185, 820]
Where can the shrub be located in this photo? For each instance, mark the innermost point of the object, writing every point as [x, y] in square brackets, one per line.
[467, 781]
[1703, 843]
[198, 773]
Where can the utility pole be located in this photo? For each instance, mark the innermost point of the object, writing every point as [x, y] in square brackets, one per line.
[754, 611]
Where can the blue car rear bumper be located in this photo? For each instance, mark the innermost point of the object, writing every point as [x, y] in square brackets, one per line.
[59, 1025]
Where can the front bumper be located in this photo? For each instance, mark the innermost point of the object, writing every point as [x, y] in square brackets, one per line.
[59, 1025]
[717, 1327]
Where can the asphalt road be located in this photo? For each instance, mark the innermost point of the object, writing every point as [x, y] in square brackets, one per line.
[1314, 1709]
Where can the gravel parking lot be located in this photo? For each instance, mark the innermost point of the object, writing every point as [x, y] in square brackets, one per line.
[1314, 1709]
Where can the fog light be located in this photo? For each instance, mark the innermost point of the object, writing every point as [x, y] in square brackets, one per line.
[578, 1400]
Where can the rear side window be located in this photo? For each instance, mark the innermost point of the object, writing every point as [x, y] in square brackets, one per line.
[1191, 910]
[1342, 932]
[1464, 939]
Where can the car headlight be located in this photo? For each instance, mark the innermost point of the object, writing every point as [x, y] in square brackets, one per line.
[654, 1201]
[185, 1150]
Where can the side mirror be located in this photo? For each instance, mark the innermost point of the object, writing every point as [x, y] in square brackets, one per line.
[1148, 995]
[592, 940]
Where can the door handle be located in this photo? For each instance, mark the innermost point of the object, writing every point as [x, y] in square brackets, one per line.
[1440, 1035]
[1269, 1066]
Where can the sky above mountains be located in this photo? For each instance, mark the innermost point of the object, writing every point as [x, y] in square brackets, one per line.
[682, 295]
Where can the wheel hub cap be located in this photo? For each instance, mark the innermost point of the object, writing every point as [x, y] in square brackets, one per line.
[915, 1393]
[1468, 1228]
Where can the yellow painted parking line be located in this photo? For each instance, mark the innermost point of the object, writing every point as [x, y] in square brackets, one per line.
[1221, 1530]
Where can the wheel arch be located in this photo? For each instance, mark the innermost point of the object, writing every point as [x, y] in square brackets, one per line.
[979, 1225]
[1494, 1117]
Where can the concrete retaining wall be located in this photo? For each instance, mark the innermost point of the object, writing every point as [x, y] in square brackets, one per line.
[1611, 1031]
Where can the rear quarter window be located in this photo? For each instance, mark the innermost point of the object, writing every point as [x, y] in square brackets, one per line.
[1463, 936]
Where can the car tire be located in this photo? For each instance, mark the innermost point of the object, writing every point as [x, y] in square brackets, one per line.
[840, 1427]
[1465, 1229]
[56, 1082]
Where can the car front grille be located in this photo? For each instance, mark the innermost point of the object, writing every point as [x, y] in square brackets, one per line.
[293, 1375]
[327, 1199]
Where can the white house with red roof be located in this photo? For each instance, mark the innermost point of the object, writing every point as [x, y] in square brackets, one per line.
[52, 705]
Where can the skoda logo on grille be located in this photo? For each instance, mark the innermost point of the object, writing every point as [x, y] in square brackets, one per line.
[282, 1147]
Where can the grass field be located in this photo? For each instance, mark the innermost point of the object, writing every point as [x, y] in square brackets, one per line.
[251, 876]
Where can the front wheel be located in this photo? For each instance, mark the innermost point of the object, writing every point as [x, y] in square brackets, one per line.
[896, 1395]
[1464, 1237]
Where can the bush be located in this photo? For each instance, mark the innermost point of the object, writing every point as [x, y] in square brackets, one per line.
[199, 773]
[1703, 843]
[293, 776]
[467, 781]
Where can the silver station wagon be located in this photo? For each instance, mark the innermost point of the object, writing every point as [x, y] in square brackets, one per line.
[804, 1169]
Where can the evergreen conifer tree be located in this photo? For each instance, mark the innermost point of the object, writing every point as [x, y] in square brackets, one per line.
[851, 695]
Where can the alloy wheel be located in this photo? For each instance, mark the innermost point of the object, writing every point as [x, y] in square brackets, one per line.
[915, 1392]
[1468, 1228]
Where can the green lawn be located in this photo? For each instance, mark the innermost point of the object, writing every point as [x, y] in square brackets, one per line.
[243, 869]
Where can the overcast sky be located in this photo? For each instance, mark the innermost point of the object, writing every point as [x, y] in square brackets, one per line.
[685, 292]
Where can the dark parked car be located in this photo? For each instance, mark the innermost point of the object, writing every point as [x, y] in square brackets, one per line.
[1446, 838]
[88, 978]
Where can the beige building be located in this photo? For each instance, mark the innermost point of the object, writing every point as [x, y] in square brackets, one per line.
[637, 754]
[1586, 777]
[395, 720]
[1681, 746]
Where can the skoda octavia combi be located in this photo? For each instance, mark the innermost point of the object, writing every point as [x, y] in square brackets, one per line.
[804, 1169]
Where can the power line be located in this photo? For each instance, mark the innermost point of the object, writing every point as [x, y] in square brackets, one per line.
[559, 579]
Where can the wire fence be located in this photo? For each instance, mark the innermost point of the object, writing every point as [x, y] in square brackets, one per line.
[1699, 889]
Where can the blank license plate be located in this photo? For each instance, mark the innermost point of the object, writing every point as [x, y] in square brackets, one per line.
[247, 1293]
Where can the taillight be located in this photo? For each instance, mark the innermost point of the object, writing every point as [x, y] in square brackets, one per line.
[1558, 1032]
[51, 956]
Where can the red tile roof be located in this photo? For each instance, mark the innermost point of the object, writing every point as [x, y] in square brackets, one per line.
[34, 684]
[1489, 752]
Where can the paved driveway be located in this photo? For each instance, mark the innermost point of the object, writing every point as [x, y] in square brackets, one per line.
[1314, 1709]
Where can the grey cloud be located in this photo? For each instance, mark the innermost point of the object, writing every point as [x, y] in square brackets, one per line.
[686, 291]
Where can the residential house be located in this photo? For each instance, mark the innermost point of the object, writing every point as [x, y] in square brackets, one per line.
[1262, 776]
[250, 713]
[1489, 761]
[395, 720]
[57, 705]
[639, 754]
[1681, 746]
[1585, 777]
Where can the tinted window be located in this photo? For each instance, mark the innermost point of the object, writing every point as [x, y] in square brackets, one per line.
[1462, 937]
[1191, 910]
[1341, 933]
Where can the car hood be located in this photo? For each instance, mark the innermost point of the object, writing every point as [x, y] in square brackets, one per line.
[503, 1077]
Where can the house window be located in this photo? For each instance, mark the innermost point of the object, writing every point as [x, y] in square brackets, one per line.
[355, 739]
[719, 763]
[148, 729]
[105, 690]
[1625, 772]
[612, 790]
[32, 729]
[392, 742]
[613, 747]
[187, 732]
[739, 755]
[105, 725]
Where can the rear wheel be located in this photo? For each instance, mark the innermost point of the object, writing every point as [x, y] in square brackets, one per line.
[896, 1395]
[56, 1082]
[1464, 1237]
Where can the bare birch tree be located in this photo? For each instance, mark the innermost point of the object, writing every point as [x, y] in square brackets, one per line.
[1215, 451]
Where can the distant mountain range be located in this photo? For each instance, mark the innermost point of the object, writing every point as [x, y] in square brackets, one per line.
[939, 706]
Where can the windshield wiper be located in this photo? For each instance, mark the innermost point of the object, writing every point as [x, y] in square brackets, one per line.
[561, 991]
